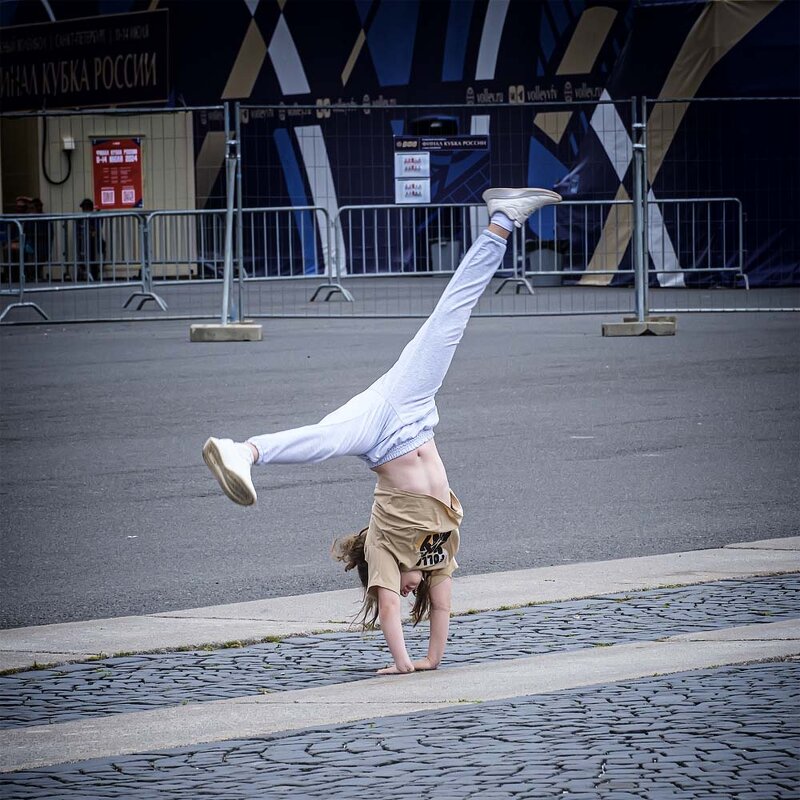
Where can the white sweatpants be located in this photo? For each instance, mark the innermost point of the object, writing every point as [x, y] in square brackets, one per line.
[398, 412]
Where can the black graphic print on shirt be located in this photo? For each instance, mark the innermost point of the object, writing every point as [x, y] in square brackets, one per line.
[431, 550]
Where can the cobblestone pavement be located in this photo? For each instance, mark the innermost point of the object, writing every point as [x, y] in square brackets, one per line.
[725, 733]
[137, 683]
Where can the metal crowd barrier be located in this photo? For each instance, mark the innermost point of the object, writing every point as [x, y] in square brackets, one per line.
[401, 239]
[74, 252]
[12, 246]
[164, 249]
[186, 246]
[577, 242]
[286, 242]
[574, 244]
[694, 236]
[289, 242]
[416, 239]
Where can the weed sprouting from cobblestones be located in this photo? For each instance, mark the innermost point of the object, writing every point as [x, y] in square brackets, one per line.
[98, 657]
[233, 644]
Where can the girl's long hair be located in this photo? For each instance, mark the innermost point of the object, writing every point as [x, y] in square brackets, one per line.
[350, 551]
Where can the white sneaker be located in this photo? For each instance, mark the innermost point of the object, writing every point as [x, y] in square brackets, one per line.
[230, 462]
[518, 204]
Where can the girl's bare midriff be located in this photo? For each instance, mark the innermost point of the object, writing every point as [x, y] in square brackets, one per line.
[420, 471]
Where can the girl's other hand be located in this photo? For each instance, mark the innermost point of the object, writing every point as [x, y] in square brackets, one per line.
[425, 663]
[393, 670]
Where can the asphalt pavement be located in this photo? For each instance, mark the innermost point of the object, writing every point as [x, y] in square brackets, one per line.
[563, 446]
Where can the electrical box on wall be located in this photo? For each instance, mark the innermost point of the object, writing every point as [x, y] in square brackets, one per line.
[67, 143]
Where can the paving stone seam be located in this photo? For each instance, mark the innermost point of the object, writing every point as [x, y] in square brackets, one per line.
[276, 736]
[579, 654]
[41, 707]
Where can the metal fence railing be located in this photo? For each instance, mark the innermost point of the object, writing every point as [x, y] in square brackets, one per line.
[181, 154]
[186, 246]
[13, 244]
[73, 250]
[394, 260]
[71, 253]
[553, 262]
[694, 236]
[670, 205]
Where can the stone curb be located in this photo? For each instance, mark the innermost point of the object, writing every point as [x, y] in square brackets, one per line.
[22, 648]
[259, 715]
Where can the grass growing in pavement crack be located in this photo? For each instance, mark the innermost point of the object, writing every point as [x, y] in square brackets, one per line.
[97, 657]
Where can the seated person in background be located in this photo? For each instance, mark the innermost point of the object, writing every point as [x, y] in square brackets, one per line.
[11, 239]
[38, 243]
[89, 245]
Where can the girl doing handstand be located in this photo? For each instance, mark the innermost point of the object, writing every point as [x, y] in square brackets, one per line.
[412, 538]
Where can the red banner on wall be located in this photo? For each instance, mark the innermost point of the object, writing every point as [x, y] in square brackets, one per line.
[117, 169]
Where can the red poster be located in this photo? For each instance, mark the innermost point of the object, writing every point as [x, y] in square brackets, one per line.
[117, 167]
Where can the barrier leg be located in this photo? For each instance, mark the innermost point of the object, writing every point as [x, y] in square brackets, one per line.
[332, 288]
[334, 283]
[21, 303]
[146, 292]
[518, 279]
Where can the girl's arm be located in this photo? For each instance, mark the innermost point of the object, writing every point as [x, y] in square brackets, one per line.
[389, 613]
[440, 624]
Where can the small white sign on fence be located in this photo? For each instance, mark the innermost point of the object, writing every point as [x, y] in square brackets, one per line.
[407, 190]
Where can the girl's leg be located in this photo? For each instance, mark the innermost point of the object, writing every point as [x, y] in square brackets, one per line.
[359, 425]
[412, 383]
[356, 427]
[403, 394]
[350, 430]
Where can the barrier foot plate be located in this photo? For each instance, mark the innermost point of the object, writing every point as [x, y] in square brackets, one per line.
[145, 297]
[333, 288]
[22, 305]
[232, 332]
[519, 285]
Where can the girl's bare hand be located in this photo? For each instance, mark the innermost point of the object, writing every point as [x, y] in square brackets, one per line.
[393, 670]
[424, 663]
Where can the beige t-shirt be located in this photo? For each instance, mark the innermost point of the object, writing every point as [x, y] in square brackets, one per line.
[411, 531]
